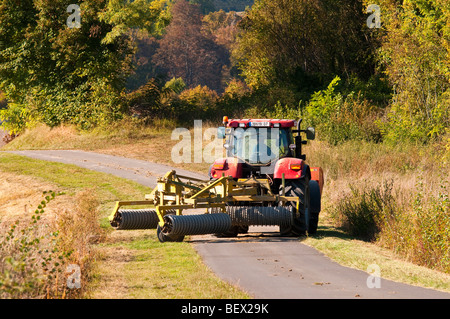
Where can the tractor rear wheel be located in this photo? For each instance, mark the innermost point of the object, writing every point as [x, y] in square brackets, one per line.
[297, 188]
[314, 206]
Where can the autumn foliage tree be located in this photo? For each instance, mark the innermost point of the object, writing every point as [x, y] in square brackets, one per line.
[186, 52]
[302, 42]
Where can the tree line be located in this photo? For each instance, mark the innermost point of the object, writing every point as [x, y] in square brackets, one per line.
[187, 59]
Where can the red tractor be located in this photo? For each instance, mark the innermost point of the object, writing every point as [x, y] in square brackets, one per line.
[271, 149]
[263, 181]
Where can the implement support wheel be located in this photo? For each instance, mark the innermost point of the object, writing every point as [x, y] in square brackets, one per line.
[166, 238]
[162, 233]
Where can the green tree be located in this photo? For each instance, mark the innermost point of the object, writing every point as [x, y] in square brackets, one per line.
[304, 43]
[59, 74]
[150, 15]
[416, 57]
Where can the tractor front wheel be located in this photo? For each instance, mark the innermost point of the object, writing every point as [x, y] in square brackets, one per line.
[297, 188]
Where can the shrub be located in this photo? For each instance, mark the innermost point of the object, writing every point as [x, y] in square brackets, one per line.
[419, 229]
[237, 89]
[147, 100]
[196, 103]
[338, 118]
[432, 223]
[413, 225]
[175, 85]
[404, 124]
[86, 107]
[15, 118]
[30, 260]
[360, 213]
[280, 111]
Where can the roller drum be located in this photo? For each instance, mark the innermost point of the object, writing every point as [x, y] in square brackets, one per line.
[129, 219]
[260, 215]
[179, 225]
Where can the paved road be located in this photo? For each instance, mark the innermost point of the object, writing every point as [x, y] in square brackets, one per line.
[261, 263]
[142, 172]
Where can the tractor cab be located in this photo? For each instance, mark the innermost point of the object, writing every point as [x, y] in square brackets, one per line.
[259, 145]
[254, 146]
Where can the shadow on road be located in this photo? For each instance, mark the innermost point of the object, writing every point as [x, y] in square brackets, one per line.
[329, 231]
[269, 234]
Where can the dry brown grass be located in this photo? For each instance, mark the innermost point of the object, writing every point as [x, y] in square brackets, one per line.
[40, 237]
[411, 218]
[19, 195]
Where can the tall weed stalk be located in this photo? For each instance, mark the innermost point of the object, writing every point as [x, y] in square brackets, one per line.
[34, 254]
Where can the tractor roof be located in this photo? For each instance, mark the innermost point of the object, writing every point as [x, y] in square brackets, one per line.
[260, 123]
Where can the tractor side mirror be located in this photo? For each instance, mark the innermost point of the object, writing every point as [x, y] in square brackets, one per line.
[221, 132]
[310, 133]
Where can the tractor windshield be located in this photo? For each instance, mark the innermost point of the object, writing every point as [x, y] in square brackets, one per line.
[259, 145]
